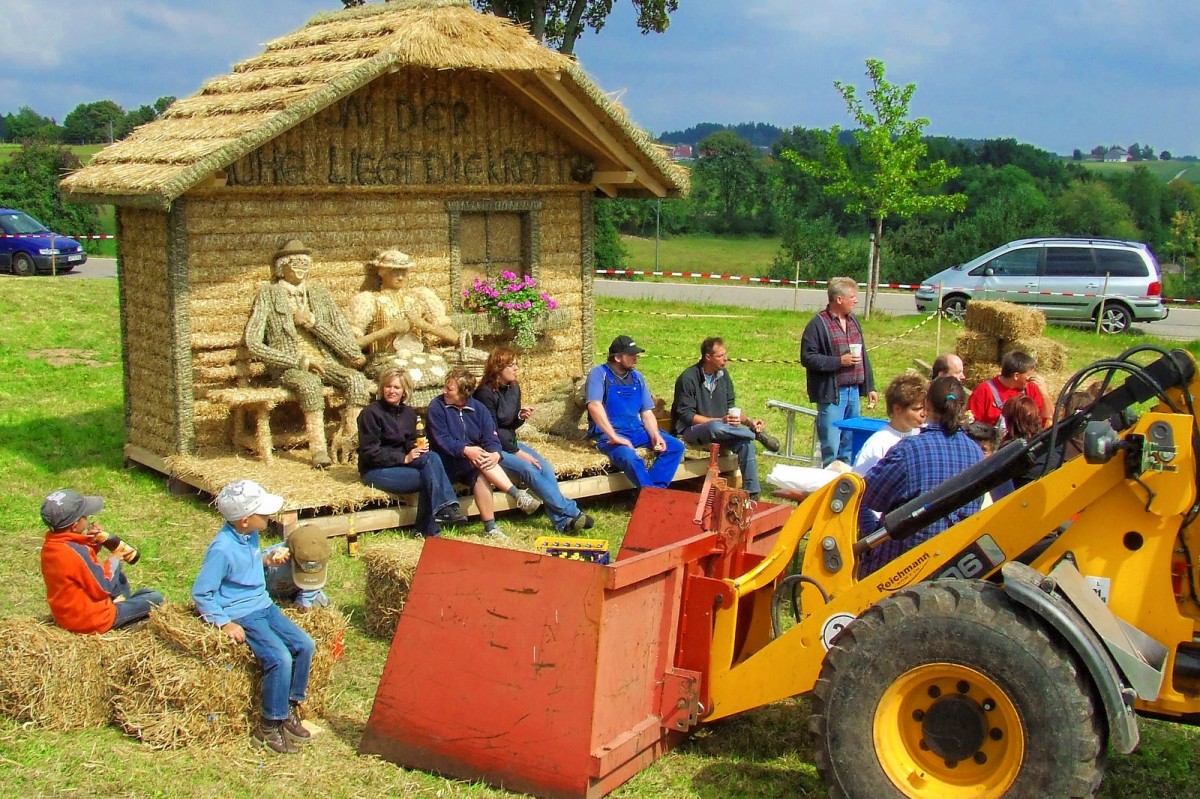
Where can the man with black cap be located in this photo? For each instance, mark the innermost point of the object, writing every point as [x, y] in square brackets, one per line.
[621, 413]
[85, 594]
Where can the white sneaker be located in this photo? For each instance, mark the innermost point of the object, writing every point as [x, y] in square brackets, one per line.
[496, 534]
[527, 502]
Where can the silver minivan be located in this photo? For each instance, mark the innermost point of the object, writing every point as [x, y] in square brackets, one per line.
[1064, 277]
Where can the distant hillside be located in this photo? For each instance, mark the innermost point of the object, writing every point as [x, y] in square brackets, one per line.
[760, 134]
[1165, 170]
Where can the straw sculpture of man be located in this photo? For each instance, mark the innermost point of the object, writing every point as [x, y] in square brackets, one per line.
[403, 326]
[299, 332]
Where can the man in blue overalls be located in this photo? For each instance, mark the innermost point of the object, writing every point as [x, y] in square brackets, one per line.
[622, 418]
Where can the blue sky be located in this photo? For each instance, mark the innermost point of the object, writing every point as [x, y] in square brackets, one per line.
[1059, 75]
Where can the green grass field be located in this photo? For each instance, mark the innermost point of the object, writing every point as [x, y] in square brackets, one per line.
[1164, 170]
[61, 425]
[726, 255]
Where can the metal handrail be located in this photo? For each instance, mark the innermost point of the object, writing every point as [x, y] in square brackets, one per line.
[814, 457]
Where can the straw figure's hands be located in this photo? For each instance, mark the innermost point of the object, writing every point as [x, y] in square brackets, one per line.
[304, 318]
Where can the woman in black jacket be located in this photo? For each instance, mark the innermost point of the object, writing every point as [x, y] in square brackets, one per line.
[391, 456]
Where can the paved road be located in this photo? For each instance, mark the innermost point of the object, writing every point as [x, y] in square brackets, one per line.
[1182, 324]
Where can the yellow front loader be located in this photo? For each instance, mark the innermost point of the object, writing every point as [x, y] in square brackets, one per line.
[1005, 656]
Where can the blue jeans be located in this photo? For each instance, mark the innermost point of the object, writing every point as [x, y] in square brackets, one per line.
[427, 477]
[837, 444]
[738, 439]
[136, 606]
[628, 461]
[541, 482]
[285, 653]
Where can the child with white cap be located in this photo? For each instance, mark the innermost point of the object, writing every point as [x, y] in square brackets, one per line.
[231, 592]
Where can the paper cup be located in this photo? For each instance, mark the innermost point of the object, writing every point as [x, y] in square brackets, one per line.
[735, 412]
[856, 350]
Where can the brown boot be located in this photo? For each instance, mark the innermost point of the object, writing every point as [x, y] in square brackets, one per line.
[314, 430]
[294, 728]
[271, 735]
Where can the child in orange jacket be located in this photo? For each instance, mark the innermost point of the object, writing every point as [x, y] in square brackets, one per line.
[85, 594]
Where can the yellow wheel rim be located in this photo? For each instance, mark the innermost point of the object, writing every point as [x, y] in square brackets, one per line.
[946, 730]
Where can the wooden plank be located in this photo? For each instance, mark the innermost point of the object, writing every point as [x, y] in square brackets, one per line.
[553, 82]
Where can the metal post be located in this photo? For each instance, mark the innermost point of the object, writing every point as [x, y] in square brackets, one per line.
[657, 222]
[796, 288]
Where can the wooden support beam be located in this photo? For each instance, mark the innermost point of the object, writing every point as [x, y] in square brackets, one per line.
[553, 82]
[533, 92]
[619, 176]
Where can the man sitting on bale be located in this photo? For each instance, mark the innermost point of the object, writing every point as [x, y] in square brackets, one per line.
[621, 410]
[86, 595]
[231, 593]
[705, 412]
[299, 332]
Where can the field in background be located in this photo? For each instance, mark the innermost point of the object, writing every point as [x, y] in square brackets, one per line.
[726, 255]
[61, 425]
[1163, 170]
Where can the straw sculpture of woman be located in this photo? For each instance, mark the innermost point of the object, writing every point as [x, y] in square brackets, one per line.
[399, 325]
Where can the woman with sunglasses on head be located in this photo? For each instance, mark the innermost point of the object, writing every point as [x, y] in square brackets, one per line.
[500, 393]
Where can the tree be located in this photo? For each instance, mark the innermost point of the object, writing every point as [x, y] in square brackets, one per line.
[1077, 154]
[1165, 155]
[889, 181]
[728, 179]
[560, 23]
[29, 125]
[1090, 209]
[29, 181]
[91, 123]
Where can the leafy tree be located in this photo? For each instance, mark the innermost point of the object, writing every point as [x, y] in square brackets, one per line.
[29, 181]
[1144, 194]
[1077, 154]
[1090, 209]
[728, 181]
[814, 249]
[608, 249]
[1165, 155]
[139, 116]
[90, 123]
[560, 23]
[891, 181]
[29, 125]
[163, 103]
[1099, 150]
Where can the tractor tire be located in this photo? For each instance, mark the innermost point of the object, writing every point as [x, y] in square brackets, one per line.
[951, 690]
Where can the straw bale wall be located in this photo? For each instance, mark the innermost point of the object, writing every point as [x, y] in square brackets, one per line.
[150, 412]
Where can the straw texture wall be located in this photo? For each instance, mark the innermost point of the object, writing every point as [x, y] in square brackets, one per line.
[150, 412]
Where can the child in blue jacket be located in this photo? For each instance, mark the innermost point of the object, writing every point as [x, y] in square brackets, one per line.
[230, 591]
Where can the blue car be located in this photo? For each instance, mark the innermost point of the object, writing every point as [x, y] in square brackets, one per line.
[28, 247]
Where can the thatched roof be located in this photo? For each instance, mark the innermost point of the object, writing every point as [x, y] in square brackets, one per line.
[335, 54]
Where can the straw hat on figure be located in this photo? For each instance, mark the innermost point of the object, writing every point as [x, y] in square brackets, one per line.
[299, 332]
[399, 325]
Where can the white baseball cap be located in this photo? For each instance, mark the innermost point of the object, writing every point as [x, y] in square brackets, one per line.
[243, 498]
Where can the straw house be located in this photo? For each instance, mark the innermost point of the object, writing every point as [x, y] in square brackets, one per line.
[427, 126]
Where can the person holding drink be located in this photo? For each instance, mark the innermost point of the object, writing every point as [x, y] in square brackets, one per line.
[837, 367]
[704, 411]
[87, 594]
[394, 455]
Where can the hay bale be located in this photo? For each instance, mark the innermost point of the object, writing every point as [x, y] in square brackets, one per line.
[192, 685]
[60, 680]
[1049, 354]
[1004, 320]
[560, 411]
[977, 348]
[976, 373]
[172, 700]
[389, 568]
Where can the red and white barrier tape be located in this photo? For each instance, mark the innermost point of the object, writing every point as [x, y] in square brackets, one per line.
[898, 286]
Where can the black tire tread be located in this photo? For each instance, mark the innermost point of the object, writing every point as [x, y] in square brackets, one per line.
[984, 606]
